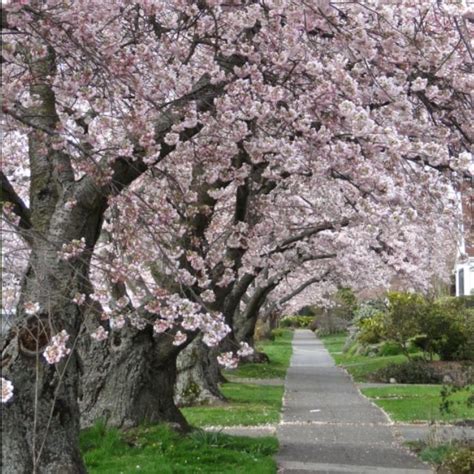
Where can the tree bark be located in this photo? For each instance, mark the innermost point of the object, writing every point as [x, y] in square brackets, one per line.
[198, 377]
[40, 425]
[129, 380]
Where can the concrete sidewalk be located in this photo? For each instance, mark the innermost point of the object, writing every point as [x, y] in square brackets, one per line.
[328, 426]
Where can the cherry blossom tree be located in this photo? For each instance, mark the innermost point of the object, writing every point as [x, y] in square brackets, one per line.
[162, 157]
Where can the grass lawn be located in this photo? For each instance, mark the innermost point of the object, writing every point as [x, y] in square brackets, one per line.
[248, 405]
[158, 449]
[414, 403]
[279, 352]
[360, 367]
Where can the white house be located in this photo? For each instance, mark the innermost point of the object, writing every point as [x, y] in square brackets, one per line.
[464, 268]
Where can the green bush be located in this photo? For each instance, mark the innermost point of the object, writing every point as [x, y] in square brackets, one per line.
[456, 457]
[447, 328]
[330, 330]
[346, 304]
[459, 461]
[372, 329]
[328, 323]
[389, 349]
[277, 333]
[404, 313]
[443, 327]
[413, 371]
[296, 321]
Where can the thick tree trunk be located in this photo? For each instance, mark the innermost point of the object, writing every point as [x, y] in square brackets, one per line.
[198, 377]
[129, 380]
[244, 328]
[40, 425]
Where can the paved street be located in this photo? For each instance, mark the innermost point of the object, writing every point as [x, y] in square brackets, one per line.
[328, 426]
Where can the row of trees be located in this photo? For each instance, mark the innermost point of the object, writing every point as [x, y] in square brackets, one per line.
[173, 169]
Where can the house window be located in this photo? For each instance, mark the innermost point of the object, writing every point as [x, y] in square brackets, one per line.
[461, 282]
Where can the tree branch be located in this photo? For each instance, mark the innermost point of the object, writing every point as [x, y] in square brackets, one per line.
[308, 233]
[8, 194]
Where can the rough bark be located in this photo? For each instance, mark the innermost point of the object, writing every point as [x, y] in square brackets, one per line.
[246, 321]
[41, 438]
[198, 377]
[40, 425]
[129, 380]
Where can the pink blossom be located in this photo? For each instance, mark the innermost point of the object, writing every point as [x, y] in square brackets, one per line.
[56, 349]
[160, 325]
[123, 301]
[208, 296]
[117, 322]
[79, 299]
[70, 204]
[73, 249]
[245, 350]
[100, 334]
[179, 338]
[227, 360]
[7, 390]
[31, 308]
[419, 84]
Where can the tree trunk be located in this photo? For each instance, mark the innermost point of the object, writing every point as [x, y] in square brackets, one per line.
[198, 376]
[40, 425]
[129, 380]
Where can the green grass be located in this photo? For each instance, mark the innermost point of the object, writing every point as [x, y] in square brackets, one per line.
[158, 449]
[435, 454]
[403, 403]
[334, 343]
[414, 403]
[359, 366]
[248, 405]
[279, 352]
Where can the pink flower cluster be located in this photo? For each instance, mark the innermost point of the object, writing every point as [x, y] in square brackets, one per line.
[100, 334]
[7, 390]
[73, 249]
[31, 308]
[228, 360]
[179, 338]
[56, 349]
[245, 350]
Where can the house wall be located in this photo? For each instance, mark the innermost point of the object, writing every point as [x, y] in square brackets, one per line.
[468, 268]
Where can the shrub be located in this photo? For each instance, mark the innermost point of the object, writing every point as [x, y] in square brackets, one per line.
[447, 329]
[401, 324]
[328, 324]
[296, 321]
[413, 371]
[444, 327]
[277, 333]
[367, 310]
[460, 461]
[389, 349]
[372, 329]
[346, 304]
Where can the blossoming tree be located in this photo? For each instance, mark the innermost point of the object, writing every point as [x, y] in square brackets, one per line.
[152, 152]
